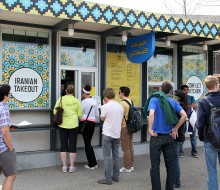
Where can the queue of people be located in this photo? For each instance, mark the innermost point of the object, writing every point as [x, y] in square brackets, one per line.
[166, 126]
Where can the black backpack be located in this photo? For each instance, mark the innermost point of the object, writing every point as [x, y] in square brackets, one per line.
[214, 124]
[135, 121]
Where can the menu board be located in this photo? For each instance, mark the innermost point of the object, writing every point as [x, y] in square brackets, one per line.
[121, 72]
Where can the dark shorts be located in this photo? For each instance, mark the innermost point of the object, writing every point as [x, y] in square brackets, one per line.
[8, 164]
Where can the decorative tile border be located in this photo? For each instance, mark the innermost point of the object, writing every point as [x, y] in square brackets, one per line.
[160, 68]
[23, 55]
[117, 16]
[72, 56]
[195, 66]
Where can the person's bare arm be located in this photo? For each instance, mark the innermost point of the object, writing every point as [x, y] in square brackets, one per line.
[178, 125]
[103, 118]
[193, 105]
[104, 101]
[150, 123]
[7, 137]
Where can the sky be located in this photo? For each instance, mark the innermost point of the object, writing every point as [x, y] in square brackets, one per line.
[167, 6]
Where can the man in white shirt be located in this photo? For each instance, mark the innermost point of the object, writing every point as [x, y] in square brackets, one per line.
[112, 115]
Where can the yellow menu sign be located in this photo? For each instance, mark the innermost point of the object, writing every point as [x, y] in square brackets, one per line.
[121, 72]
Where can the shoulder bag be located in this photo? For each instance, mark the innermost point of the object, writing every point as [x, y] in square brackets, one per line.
[58, 117]
[82, 124]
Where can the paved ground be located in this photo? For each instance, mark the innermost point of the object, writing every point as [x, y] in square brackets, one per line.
[193, 176]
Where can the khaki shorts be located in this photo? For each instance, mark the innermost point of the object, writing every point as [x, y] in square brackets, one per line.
[8, 164]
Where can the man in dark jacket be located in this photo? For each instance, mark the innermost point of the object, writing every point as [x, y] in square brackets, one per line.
[203, 112]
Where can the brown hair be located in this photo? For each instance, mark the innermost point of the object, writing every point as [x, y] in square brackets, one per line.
[211, 81]
[70, 89]
[109, 93]
[166, 87]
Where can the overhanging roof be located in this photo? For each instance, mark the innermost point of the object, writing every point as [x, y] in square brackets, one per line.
[114, 16]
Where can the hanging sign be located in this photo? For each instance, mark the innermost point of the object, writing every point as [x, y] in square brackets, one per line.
[141, 48]
[26, 84]
[195, 87]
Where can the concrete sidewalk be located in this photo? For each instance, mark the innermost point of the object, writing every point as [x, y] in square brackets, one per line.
[193, 176]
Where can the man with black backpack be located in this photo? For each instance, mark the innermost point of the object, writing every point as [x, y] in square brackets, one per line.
[205, 121]
[126, 136]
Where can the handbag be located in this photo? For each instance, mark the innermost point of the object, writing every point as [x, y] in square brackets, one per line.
[58, 117]
[82, 124]
[193, 119]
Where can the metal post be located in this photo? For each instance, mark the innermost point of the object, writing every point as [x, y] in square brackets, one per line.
[144, 99]
[179, 66]
[53, 133]
[210, 62]
[102, 76]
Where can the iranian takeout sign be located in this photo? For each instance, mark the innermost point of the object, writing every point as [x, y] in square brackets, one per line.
[26, 85]
[195, 87]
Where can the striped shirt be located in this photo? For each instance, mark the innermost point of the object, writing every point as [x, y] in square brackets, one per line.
[4, 122]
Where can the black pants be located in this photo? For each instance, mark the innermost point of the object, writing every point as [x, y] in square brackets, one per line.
[164, 144]
[87, 137]
[68, 139]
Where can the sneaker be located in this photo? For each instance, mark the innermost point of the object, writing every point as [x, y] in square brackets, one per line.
[105, 181]
[91, 168]
[64, 169]
[72, 169]
[132, 168]
[176, 186]
[124, 170]
[181, 155]
[115, 179]
[194, 154]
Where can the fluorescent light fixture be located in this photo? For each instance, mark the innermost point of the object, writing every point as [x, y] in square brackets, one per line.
[205, 47]
[124, 36]
[70, 30]
[168, 41]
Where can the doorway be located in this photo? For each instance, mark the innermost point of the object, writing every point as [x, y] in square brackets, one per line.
[67, 77]
[79, 62]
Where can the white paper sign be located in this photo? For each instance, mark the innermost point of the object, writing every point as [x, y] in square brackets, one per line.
[23, 123]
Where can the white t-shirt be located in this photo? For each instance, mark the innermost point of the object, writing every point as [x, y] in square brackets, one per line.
[86, 105]
[113, 113]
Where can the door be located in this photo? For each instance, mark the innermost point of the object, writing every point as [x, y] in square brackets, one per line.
[68, 77]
